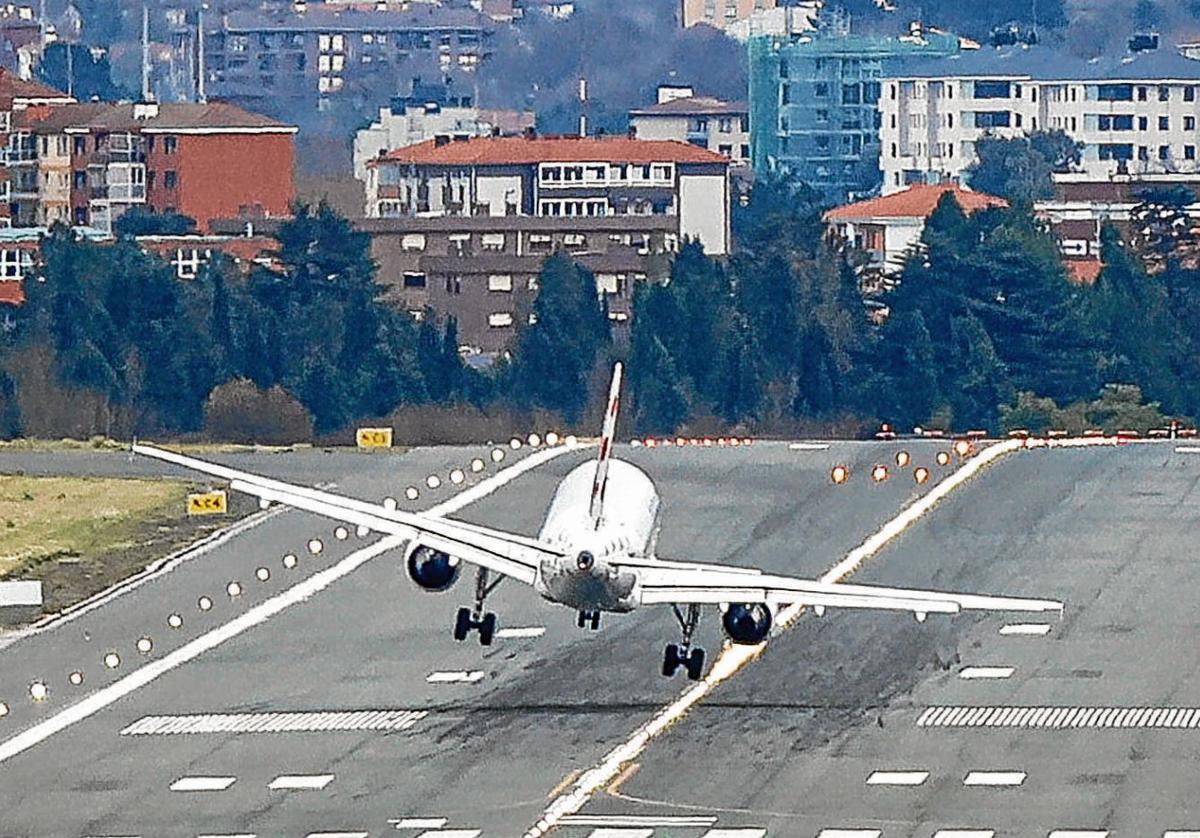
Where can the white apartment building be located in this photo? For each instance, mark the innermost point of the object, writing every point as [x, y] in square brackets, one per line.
[1136, 114]
[705, 121]
[557, 177]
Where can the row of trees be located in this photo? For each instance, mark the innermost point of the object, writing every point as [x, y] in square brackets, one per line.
[984, 331]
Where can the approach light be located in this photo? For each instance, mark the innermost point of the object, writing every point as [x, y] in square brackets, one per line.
[433, 481]
[962, 447]
[411, 493]
[477, 465]
[38, 691]
[571, 441]
[839, 474]
[902, 459]
[263, 503]
[290, 561]
[315, 546]
[514, 443]
[497, 455]
[341, 533]
[76, 678]
[552, 438]
[175, 621]
[112, 660]
[204, 603]
[457, 476]
[921, 474]
[145, 645]
[362, 530]
[234, 589]
[943, 458]
[879, 473]
[389, 503]
[534, 440]
[262, 574]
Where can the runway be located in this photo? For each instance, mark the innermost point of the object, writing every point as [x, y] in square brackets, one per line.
[348, 710]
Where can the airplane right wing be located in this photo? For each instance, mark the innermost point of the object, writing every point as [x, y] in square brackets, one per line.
[684, 584]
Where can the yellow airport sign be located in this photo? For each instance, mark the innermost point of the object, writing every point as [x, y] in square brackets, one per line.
[207, 503]
[373, 437]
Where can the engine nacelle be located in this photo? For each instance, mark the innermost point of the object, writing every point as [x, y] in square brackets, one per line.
[432, 569]
[747, 623]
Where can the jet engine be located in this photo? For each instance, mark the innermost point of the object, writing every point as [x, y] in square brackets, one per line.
[432, 569]
[747, 623]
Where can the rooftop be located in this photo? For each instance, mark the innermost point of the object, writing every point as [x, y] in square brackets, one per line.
[337, 18]
[1045, 63]
[693, 105]
[213, 117]
[501, 151]
[18, 88]
[915, 202]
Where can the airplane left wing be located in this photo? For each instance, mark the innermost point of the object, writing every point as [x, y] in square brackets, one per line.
[682, 585]
[513, 555]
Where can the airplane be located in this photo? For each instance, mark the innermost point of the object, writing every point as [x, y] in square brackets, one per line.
[596, 553]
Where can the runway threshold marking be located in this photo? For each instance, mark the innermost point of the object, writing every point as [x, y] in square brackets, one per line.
[983, 672]
[734, 658]
[451, 833]
[849, 833]
[300, 722]
[639, 820]
[461, 676]
[338, 835]
[965, 833]
[753, 832]
[300, 782]
[1181, 833]
[897, 778]
[1061, 718]
[994, 778]
[620, 832]
[418, 823]
[1026, 629]
[202, 783]
[259, 614]
[1079, 833]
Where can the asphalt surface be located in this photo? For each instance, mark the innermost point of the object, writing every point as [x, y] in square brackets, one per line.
[783, 748]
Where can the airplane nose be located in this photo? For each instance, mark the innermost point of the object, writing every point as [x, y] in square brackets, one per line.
[585, 560]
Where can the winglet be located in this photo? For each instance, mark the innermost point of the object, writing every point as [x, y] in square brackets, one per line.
[607, 434]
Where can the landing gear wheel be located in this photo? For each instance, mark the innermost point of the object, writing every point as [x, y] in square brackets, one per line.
[462, 624]
[595, 620]
[695, 664]
[670, 660]
[588, 619]
[487, 628]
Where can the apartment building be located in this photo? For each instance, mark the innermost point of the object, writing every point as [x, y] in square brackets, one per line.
[429, 110]
[814, 101]
[88, 163]
[704, 121]
[557, 177]
[741, 19]
[1135, 114]
[17, 96]
[483, 270]
[258, 58]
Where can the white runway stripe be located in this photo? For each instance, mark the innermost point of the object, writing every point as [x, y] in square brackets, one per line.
[753, 832]
[965, 833]
[418, 823]
[1182, 833]
[972, 672]
[639, 820]
[459, 677]
[994, 778]
[611, 832]
[897, 778]
[1029, 629]
[849, 833]
[300, 782]
[520, 632]
[338, 835]
[228, 835]
[275, 722]
[1062, 718]
[451, 833]
[202, 783]
[1079, 833]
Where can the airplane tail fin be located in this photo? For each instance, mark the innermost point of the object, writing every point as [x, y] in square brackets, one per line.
[607, 434]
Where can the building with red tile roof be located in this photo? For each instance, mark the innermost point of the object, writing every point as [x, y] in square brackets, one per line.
[556, 177]
[887, 228]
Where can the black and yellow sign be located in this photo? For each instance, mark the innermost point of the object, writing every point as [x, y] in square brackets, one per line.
[373, 437]
[207, 503]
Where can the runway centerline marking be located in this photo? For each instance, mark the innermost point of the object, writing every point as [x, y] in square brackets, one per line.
[619, 832]
[849, 833]
[259, 614]
[965, 833]
[520, 632]
[451, 833]
[1181, 833]
[338, 835]
[734, 658]
[753, 832]
[202, 783]
[1025, 629]
[897, 778]
[1079, 833]
[639, 820]
[994, 778]
[418, 823]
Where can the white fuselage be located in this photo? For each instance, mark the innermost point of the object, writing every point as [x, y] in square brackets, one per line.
[584, 578]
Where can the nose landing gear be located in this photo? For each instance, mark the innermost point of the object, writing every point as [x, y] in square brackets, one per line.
[682, 654]
[590, 619]
[469, 619]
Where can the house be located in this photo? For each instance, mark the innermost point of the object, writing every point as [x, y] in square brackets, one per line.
[704, 121]
[886, 229]
[558, 177]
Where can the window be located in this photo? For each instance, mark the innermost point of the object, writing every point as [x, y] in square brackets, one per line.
[725, 125]
[745, 151]
[1189, 123]
[414, 279]
[453, 285]
[1143, 152]
[500, 319]
[1116, 151]
[821, 90]
[1164, 152]
[413, 241]
[80, 145]
[170, 144]
[539, 243]
[1141, 94]
[1143, 123]
[1189, 94]
[992, 119]
[150, 178]
[1164, 93]
[14, 264]
[992, 90]
[1164, 123]
[851, 94]
[187, 262]
[500, 282]
[823, 116]
[492, 241]
[1112, 93]
[78, 179]
[1116, 123]
[170, 180]
[1189, 152]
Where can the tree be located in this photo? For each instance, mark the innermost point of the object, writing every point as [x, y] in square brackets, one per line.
[556, 353]
[1019, 168]
[89, 76]
[1161, 223]
[137, 221]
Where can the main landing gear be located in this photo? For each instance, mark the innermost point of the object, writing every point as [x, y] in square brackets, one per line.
[469, 619]
[683, 654]
[590, 619]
